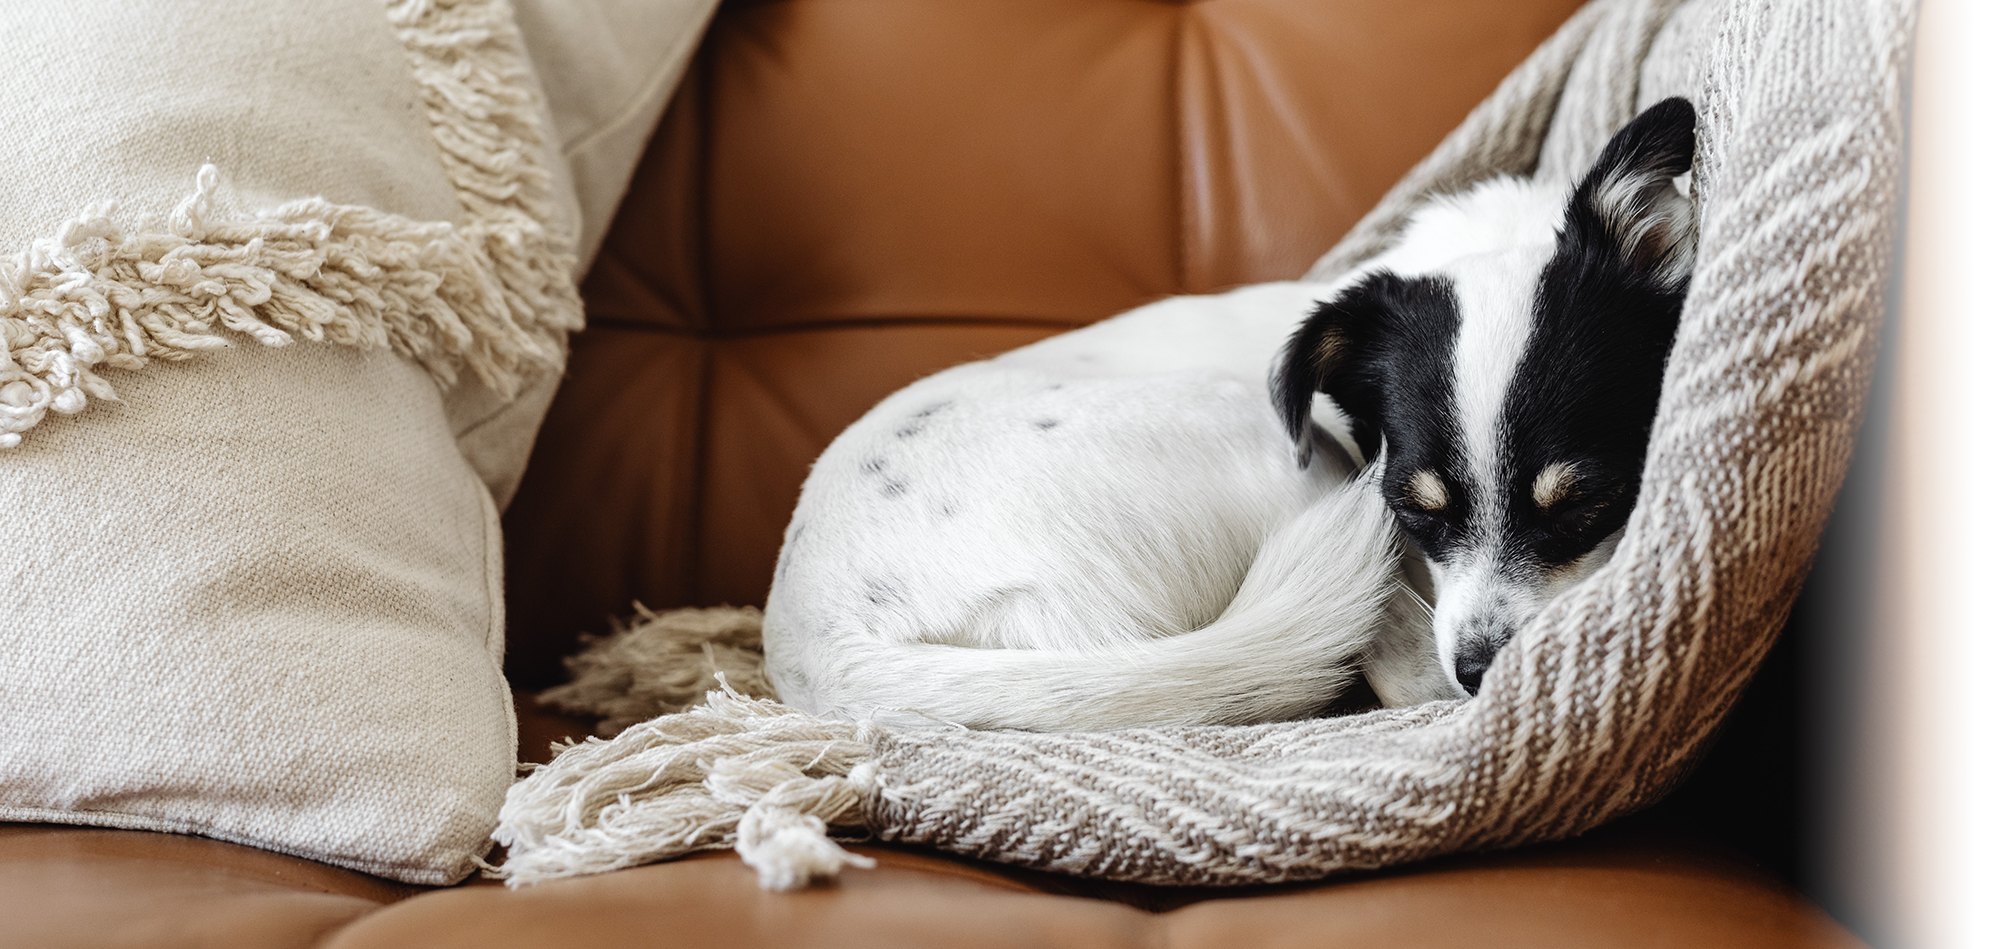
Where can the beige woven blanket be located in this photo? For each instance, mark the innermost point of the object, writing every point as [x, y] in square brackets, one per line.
[1594, 711]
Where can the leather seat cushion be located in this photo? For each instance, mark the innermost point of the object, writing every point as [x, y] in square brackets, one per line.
[107, 888]
[1588, 894]
[1620, 886]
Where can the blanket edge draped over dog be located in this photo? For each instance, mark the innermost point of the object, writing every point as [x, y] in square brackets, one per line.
[1597, 709]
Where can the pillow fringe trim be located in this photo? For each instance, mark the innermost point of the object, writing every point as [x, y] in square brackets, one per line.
[490, 295]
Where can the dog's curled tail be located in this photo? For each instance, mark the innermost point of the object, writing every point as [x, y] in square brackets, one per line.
[1294, 635]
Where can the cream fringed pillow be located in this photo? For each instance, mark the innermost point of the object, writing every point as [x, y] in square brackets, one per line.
[249, 582]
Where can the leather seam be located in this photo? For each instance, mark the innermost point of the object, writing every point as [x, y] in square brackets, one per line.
[689, 580]
[1183, 168]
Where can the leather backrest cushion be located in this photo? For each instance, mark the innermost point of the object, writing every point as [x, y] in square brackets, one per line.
[846, 195]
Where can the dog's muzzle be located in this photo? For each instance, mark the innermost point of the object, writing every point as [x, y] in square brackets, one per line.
[1475, 649]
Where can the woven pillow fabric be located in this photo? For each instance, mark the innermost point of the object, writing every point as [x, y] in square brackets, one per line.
[263, 267]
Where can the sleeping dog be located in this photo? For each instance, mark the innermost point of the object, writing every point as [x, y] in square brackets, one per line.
[1109, 528]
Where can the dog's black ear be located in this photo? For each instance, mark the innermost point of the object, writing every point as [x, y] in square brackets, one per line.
[1627, 203]
[1324, 355]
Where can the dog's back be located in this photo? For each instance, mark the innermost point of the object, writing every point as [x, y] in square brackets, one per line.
[1109, 528]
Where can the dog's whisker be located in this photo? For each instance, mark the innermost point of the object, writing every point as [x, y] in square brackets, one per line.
[1429, 611]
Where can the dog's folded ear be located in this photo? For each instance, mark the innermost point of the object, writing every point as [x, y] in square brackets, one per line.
[1316, 352]
[1336, 351]
[1627, 204]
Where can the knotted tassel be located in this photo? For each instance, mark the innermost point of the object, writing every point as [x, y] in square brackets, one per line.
[781, 837]
[735, 771]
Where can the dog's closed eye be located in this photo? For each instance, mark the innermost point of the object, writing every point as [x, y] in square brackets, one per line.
[1570, 504]
[1577, 518]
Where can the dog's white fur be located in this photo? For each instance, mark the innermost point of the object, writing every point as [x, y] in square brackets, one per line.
[1109, 528]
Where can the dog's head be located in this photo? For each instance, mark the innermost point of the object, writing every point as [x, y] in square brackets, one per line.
[1511, 391]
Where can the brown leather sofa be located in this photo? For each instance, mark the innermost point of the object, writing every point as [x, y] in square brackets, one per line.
[846, 195]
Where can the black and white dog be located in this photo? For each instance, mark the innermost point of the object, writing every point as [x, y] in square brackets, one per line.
[1108, 529]
[1512, 390]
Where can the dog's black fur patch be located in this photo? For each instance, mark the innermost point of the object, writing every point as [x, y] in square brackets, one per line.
[1392, 338]
[1589, 382]
[1382, 350]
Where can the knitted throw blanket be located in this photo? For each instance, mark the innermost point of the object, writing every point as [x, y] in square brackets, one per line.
[1594, 711]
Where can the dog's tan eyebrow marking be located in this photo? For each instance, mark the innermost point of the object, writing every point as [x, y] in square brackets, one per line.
[1554, 484]
[1426, 490]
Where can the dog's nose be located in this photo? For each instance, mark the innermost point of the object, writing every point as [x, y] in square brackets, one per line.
[1473, 657]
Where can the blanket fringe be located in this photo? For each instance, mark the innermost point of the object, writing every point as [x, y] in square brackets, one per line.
[735, 771]
[660, 663]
